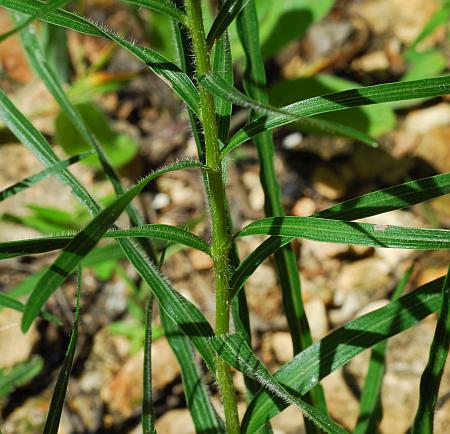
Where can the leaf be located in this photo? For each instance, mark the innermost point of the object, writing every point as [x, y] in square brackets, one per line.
[12, 303]
[84, 242]
[432, 375]
[162, 6]
[119, 148]
[220, 88]
[370, 410]
[59, 393]
[170, 73]
[235, 351]
[372, 120]
[34, 179]
[148, 417]
[377, 94]
[335, 350]
[46, 8]
[19, 375]
[22, 128]
[203, 414]
[227, 13]
[11, 249]
[336, 231]
[424, 64]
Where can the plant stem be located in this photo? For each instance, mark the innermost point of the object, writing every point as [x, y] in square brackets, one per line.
[221, 236]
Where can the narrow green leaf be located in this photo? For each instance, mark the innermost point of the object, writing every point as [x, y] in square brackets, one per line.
[174, 234]
[220, 88]
[162, 6]
[59, 394]
[321, 359]
[19, 375]
[432, 375]
[46, 8]
[389, 92]
[370, 410]
[12, 303]
[236, 352]
[84, 242]
[170, 73]
[227, 13]
[34, 179]
[203, 414]
[336, 231]
[22, 128]
[148, 417]
[389, 199]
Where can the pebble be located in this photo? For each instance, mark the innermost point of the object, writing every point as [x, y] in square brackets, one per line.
[304, 207]
[317, 318]
[176, 421]
[281, 344]
[200, 261]
[327, 183]
[434, 148]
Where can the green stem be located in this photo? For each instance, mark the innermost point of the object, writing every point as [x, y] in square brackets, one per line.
[221, 236]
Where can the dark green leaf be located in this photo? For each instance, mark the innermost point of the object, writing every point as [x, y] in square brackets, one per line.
[335, 350]
[148, 417]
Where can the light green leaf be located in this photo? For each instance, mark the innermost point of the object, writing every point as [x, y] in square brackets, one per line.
[19, 375]
[377, 94]
[339, 347]
[236, 352]
[161, 6]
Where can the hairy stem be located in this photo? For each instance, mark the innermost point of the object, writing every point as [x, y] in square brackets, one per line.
[221, 236]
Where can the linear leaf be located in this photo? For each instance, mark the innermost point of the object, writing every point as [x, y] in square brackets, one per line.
[20, 374]
[34, 179]
[392, 198]
[59, 394]
[84, 242]
[227, 13]
[148, 417]
[220, 88]
[309, 367]
[336, 231]
[12, 303]
[236, 352]
[24, 130]
[161, 6]
[170, 73]
[156, 231]
[432, 375]
[370, 410]
[380, 93]
[203, 414]
[46, 8]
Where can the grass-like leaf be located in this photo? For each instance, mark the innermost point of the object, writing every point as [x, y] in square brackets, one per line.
[148, 417]
[236, 352]
[12, 303]
[170, 73]
[174, 234]
[203, 413]
[20, 374]
[370, 410]
[59, 394]
[335, 350]
[227, 13]
[432, 375]
[337, 231]
[34, 179]
[24, 130]
[380, 93]
[84, 241]
[162, 6]
[47, 8]
[220, 88]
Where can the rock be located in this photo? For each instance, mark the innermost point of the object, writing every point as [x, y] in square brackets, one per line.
[281, 344]
[256, 193]
[374, 305]
[375, 61]
[431, 273]
[123, 394]
[317, 317]
[327, 183]
[15, 347]
[422, 121]
[434, 148]
[304, 207]
[289, 421]
[200, 261]
[177, 421]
